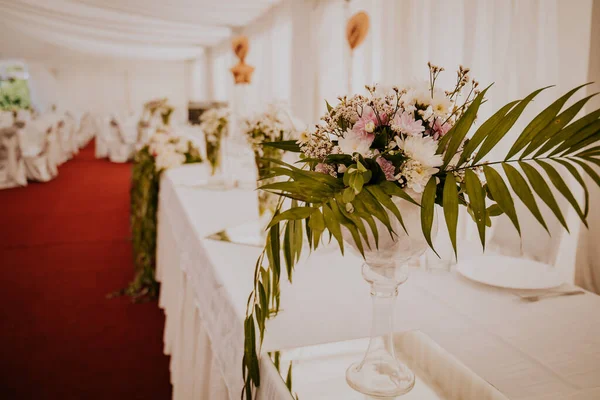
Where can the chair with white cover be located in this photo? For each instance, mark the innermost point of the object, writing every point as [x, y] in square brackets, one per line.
[12, 167]
[72, 127]
[23, 116]
[63, 134]
[88, 128]
[103, 135]
[6, 119]
[35, 145]
[54, 150]
[121, 145]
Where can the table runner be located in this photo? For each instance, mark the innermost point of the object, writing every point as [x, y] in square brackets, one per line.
[548, 350]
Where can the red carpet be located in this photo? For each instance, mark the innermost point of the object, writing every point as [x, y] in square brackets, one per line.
[63, 246]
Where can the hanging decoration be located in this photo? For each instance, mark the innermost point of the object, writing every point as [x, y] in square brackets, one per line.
[357, 29]
[242, 72]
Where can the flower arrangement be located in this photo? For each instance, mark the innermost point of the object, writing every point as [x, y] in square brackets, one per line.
[273, 125]
[164, 151]
[214, 123]
[411, 144]
[160, 106]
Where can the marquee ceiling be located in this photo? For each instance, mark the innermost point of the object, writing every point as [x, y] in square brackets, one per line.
[146, 29]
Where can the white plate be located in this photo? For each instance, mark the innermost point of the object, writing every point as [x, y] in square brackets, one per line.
[510, 272]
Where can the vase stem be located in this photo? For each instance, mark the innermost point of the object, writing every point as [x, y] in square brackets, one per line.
[380, 373]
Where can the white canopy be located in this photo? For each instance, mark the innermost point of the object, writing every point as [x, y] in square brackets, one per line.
[142, 29]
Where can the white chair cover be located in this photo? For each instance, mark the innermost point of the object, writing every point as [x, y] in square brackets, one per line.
[88, 128]
[54, 151]
[6, 119]
[121, 145]
[71, 127]
[35, 145]
[23, 115]
[12, 167]
[102, 137]
[62, 132]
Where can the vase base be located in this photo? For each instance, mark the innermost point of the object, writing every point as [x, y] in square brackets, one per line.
[380, 380]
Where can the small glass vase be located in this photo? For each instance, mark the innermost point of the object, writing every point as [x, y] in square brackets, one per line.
[380, 373]
[214, 157]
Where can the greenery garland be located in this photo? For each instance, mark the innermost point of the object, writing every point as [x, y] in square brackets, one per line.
[321, 204]
[145, 183]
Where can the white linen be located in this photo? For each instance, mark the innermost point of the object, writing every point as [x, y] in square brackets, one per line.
[12, 167]
[6, 119]
[88, 128]
[548, 350]
[122, 140]
[102, 137]
[35, 138]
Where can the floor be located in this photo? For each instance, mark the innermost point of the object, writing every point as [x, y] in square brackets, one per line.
[64, 245]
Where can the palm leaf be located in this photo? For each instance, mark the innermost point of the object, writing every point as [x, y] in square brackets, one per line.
[540, 122]
[504, 126]
[459, 131]
[476, 195]
[450, 205]
[427, 210]
[522, 190]
[573, 170]
[556, 125]
[484, 131]
[543, 190]
[562, 187]
[501, 195]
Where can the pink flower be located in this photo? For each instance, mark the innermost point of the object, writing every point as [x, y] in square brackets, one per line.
[405, 123]
[325, 169]
[440, 129]
[355, 142]
[368, 121]
[387, 167]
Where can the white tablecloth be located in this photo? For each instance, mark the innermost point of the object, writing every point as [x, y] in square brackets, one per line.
[549, 350]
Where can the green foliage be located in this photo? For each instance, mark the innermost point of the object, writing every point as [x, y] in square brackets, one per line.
[14, 94]
[358, 197]
[145, 181]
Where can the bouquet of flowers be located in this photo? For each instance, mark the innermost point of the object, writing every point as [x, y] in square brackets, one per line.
[273, 125]
[164, 151]
[171, 151]
[214, 123]
[409, 145]
[161, 106]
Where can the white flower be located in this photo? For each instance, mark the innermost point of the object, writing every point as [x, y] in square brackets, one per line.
[441, 105]
[168, 159]
[416, 174]
[370, 127]
[159, 137]
[354, 142]
[421, 149]
[182, 145]
[427, 113]
[303, 138]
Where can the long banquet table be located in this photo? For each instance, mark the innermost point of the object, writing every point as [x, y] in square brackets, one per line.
[548, 350]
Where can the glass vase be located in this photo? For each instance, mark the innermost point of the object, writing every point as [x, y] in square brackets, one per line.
[214, 158]
[380, 373]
